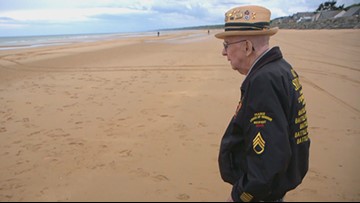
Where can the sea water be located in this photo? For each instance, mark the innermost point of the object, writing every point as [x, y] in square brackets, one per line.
[22, 42]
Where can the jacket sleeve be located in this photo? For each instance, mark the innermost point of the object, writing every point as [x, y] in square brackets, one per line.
[266, 134]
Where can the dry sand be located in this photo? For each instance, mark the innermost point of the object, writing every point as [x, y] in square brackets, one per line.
[141, 119]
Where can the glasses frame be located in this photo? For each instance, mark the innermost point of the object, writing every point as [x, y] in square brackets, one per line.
[226, 44]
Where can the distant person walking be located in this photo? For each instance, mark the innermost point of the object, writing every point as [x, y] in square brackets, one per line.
[158, 34]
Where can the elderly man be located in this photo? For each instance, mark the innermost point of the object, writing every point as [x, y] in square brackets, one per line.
[264, 152]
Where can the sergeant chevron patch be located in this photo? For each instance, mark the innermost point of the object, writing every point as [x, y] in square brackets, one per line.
[258, 144]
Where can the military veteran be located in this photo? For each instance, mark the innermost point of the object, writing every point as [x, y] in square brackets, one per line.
[264, 152]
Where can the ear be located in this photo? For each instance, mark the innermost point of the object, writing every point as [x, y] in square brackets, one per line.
[248, 48]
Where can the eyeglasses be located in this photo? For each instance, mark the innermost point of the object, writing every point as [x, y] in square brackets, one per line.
[226, 44]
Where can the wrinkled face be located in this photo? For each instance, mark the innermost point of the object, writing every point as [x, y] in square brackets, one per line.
[236, 50]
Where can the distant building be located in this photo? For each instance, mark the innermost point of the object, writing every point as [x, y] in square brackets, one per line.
[303, 15]
[305, 19]
[282, 20]
[341, 14]
[329, 19]
[323, 15]
[353, 11]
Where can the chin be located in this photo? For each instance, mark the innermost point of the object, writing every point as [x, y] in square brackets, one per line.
[240, 71]
[237, 69]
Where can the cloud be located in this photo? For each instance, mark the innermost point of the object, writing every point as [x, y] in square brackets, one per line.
[9, 23]
[65, 15]
[205, 11]
[192, 9]
[132, 15]
[5, 19]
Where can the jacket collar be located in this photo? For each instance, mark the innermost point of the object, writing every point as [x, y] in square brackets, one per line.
[271, 55]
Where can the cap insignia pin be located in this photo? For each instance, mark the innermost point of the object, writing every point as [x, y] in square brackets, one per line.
[247, 15]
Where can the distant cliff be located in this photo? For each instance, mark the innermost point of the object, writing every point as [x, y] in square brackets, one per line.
[351, 22]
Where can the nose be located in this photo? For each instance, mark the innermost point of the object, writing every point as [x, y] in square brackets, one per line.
[224, 52]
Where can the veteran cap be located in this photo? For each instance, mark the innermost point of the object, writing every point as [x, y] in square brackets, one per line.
[247, 20]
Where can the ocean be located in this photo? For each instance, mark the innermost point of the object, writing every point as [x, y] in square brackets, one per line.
[23, 42]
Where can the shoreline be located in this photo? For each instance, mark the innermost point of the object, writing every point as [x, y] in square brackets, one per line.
[25, 42]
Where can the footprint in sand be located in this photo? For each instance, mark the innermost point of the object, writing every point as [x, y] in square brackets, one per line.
[309, 191]
[159, 178]
[100, 119]
[125, 153]
[57, 133]
[202, 124]
[141, 173]
[180, 127]
[76, 143]
[97, 166]
[183, 197]
[33, 133]
[2, 130]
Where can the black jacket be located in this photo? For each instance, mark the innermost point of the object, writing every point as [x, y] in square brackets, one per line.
[264, 152]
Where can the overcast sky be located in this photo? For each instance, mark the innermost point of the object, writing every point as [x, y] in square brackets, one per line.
[47, 17]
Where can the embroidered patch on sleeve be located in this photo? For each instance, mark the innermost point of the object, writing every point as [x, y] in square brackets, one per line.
[258, 144]
[260, 119]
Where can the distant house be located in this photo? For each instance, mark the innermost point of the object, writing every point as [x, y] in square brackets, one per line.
[323, 15]
[305, 19]
[341, 14]
[353, 11]
[281, 20]
[303, 16]
[329, 19]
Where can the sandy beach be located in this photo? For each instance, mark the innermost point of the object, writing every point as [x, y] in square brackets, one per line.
[141, 119]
